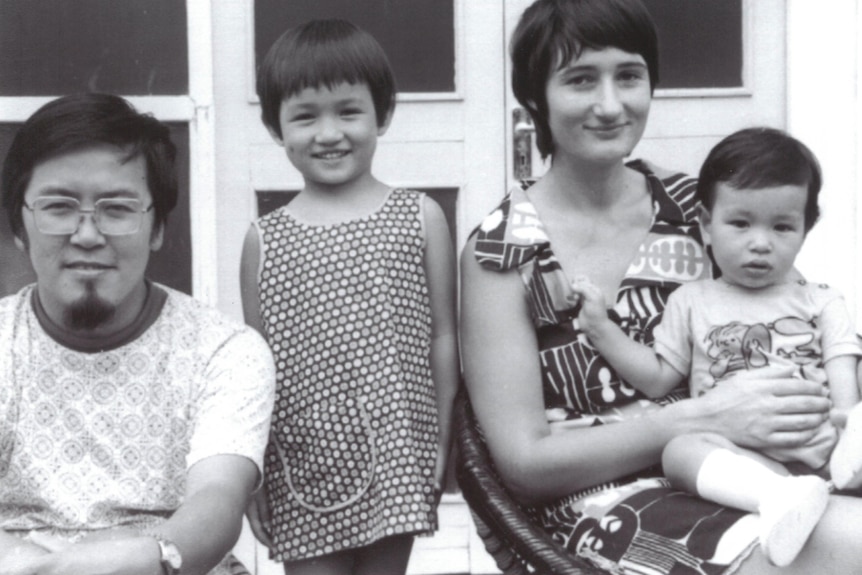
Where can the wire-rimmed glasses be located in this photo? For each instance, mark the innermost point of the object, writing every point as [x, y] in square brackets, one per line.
[60, 215]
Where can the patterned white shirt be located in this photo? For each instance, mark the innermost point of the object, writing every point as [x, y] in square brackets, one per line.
[96, 440]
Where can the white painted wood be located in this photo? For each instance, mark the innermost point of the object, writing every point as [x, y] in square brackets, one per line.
[823, 98]
[202, 198]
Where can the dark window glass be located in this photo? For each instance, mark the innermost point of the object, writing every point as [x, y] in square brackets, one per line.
[417, 35]
[132, 47]
[171, 265]
[700, 42]
[15, 269]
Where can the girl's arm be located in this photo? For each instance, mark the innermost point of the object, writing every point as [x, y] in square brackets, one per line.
[503, 376]
[445, 367]
[248, 287]
[257, 513]
[637, 364]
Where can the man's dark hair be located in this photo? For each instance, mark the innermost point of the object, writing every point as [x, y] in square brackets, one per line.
[82, 120]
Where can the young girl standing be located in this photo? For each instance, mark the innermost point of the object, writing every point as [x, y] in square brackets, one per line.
[353, 286]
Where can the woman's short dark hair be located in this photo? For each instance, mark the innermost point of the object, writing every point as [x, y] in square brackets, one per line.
[551, 33]
[323, 53]
[757, 158]
[82, 120]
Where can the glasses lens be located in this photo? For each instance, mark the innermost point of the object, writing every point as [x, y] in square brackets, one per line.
[117, 217]
[113, 217]
[56, 215]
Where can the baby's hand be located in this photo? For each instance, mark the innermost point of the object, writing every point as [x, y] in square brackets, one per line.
[593, 309]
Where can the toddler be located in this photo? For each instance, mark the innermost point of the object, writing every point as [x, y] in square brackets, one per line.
[758, 191]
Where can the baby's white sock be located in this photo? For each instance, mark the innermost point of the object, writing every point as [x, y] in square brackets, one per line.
[735, 480]
[845, 465]
[789, 507]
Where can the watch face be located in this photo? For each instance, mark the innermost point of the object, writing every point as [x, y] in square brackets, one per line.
[171, 558]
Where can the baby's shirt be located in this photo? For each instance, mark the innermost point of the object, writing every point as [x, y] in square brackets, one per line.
[712, 330]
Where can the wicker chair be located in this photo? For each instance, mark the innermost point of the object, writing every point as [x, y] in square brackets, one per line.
[236, 567]
[516, 543]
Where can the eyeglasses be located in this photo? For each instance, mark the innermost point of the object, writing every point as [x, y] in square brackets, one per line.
[61, 216]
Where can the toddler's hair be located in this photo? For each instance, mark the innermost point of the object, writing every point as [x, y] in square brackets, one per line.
[756, 158]
[323, 53]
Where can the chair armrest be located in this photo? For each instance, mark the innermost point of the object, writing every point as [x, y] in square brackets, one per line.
[529, 547]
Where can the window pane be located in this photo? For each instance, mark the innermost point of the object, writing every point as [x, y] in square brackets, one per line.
[15, 269]
[417, 35]
[700, 42]
[171, 265]
[132, 47]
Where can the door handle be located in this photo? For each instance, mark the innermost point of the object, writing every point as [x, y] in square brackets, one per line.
[522, 144]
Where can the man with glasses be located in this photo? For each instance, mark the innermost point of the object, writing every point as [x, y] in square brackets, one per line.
[133, 419]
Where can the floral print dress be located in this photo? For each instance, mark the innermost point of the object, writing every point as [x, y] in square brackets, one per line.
[637, 524]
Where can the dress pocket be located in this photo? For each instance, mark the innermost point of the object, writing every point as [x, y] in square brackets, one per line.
[328, 454]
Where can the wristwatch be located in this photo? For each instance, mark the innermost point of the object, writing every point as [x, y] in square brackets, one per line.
[172, 560]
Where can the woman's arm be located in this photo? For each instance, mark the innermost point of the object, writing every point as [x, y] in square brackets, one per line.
[445, 366]
[503, 376]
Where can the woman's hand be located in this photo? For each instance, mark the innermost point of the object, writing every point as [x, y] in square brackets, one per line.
[764, 409]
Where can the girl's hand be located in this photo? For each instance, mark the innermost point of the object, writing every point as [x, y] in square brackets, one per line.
[771, 410]
[592, 303]
[259, 518]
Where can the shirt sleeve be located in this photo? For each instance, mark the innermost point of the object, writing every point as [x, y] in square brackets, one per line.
[673, 334]
[235, 404]
[838, 332]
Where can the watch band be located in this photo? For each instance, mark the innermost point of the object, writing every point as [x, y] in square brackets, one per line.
[171, 558]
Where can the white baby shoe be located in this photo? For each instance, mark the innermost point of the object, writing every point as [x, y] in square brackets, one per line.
[789, 514]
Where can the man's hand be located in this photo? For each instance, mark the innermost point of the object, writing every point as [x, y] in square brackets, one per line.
[19, 557]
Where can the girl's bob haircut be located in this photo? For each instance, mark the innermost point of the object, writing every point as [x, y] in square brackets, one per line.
[552, 33]
[323, 53]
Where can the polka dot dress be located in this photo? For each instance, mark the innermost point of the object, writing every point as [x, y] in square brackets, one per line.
[345, 309]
